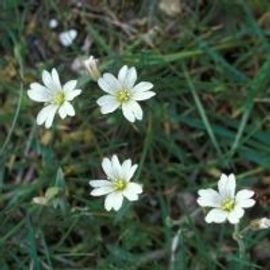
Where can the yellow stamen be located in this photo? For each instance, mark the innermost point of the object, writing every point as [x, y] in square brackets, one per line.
[228, 205]
[123, 96]
[59, 99]
[120, 184]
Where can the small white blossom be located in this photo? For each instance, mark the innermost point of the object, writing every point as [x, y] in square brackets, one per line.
[227, 205]
[53, 23]
[66, 38]
[56, 98]
[122, 92]
[117, 185]
[91, 64]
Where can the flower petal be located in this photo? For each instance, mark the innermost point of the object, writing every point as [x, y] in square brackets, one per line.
[49, 81]
[246, 203]
[126, 166]
[137, 110]
[109, 83]
[142, 87]
[39, 93]
[132, 111]
[122, 74]
[226, 186]
[69, 108]
[70, 91]
[113, 201]
[216, 215]
[102, 190]
[131, 172]
[71, 95]
[244, 194]
[209, 198]
[117, 168]
[235, 215]
[62, 112]
[130, 79]
[99, 183]
[128, 112]
[132, 190]
[107, 168]
[66, 38]
[56, 80]
[143, 95]
[69, 86]
[108, 104]
[50, 116]
[46, 115]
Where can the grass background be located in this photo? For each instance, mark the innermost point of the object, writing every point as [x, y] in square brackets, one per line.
[210, 65]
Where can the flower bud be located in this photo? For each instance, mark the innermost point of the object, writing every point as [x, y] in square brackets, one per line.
[91, 64]
[260, 224]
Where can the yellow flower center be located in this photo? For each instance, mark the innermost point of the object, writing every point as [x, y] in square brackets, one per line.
[123, 96]
[120, 184]
[59, 98]
[228, 205]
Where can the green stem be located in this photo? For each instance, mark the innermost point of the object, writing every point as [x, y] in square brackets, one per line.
[238, 237]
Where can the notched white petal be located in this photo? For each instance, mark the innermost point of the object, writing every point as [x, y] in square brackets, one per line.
[107, 167]
[108, 104]
[139, 96]
[142, 87]
[103, 190]
[56, 80]
[99, 183]
[131, 77]
[128, 113]
[209, 198]
[113, 201]
[216, 216]
[46, 115]
[122, 74]
[244, 194]
[227, 185]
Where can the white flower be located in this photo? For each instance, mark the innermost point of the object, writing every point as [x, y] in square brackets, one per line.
[91, 64]
[117, 185]
[227, 205]
[55, 96]
[66, 38]
[122, 92]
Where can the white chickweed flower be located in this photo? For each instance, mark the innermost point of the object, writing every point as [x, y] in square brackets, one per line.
[91, 64]
[227, 205]
[122, 92]
[66, 38]
[117, 185]
[55, 97]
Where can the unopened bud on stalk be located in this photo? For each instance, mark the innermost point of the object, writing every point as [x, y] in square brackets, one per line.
[91, 64]
[260, 224]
